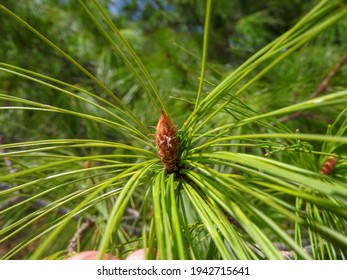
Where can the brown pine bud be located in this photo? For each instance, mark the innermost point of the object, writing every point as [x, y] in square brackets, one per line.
[167, 143]
[328, 166]
[87, 164]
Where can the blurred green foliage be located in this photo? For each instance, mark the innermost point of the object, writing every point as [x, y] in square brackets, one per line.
[163, 33]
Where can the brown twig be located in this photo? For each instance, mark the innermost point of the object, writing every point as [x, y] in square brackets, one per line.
[323, 86]
[71, 249]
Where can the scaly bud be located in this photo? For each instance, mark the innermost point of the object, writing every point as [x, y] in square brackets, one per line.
[328, 166]
[167, 143]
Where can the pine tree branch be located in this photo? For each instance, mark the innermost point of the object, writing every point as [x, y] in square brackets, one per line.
[323, 86]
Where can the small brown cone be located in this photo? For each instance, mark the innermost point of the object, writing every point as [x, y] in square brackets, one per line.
[167, 143]
[328, 166]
